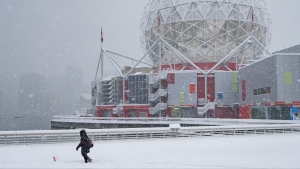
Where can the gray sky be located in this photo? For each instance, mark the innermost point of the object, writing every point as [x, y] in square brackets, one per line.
[45, 36]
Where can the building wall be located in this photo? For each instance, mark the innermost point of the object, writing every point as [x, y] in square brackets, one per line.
[136, 110]
[226, 84]
[179, 90]
[280, 72]
[288, 72]
[258, 76]
[105, 111]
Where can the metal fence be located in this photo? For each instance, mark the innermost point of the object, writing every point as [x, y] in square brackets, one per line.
[62, 136]
[195, 121]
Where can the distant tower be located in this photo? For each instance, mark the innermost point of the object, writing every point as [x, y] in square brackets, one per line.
[31, 90]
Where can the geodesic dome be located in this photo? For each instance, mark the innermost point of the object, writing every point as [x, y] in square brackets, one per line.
[206, 30]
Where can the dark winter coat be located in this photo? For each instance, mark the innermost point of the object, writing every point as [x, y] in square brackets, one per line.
[83, 142]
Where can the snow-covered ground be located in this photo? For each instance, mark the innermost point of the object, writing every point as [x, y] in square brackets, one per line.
[251, 151]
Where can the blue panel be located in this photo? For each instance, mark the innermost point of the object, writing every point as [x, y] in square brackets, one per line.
[220, 95]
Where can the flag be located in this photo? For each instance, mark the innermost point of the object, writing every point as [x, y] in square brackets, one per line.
[252, 18]
[159, 25]
[101, 39]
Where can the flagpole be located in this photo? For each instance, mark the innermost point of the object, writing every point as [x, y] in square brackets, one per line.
[101, 39]
[252, 34]
[101, 54]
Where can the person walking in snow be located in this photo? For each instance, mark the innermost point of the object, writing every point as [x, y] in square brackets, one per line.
[85, 146]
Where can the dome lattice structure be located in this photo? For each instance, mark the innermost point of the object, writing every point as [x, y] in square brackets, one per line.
[206, 30]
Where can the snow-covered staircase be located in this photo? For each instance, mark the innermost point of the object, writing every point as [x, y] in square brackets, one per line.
[158, 107]
[159, 93]
[203, 110]
[118, 109]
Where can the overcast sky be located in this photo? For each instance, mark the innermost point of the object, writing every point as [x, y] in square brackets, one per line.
[45, 36]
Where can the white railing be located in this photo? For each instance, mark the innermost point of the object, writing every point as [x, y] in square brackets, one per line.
[62, 136]
[194, 121]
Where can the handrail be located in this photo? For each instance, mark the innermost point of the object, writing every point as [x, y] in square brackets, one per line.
[167, 120]
[60, 136]
[159, 93]
[118, 109]
[159, 106]
[203, 110]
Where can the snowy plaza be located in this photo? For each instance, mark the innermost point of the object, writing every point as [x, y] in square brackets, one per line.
[249, 151]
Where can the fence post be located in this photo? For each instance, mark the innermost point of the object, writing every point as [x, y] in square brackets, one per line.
[24, 139]
[137, 135]
[42, 139]
[122, 135]
[5, 140]
[150, 134]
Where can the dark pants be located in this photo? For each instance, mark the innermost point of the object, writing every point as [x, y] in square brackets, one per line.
[84, 155]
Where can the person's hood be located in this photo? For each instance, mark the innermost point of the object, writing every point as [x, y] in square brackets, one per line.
[83, 133]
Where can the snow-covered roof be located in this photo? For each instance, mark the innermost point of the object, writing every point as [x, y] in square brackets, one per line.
[86, 96]
[293, 49]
